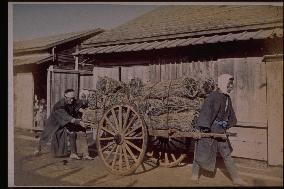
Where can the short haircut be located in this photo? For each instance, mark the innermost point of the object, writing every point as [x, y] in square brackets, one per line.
[68, 91]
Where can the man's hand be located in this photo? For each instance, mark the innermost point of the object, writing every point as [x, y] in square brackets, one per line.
[76, 121]
[82, 123]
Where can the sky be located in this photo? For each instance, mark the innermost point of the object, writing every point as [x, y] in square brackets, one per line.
[40, 20]
[32, 20]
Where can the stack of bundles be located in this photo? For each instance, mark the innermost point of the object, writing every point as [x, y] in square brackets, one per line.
[163, 105]
[182, 121]
[106, 85]
[182, 87]
[108, 93]
[96, 100]
[173, 104]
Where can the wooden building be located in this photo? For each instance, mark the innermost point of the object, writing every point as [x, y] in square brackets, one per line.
[202, 41]
[31, 61]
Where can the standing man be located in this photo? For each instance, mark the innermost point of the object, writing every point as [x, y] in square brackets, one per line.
[81, 132]
[59, 127]
[216, 116]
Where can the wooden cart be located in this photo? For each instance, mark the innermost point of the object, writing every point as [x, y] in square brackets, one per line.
[123, 138]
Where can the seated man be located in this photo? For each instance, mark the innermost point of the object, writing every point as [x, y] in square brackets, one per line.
[60, 125]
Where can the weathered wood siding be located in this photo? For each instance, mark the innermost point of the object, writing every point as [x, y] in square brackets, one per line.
[274, 69]
[60, 81]
[249, 143]
[129, 72]
[24, 100]
[86, 81]
[112, 72]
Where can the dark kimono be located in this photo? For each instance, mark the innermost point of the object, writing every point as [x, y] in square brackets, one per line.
[60, 117]
[213, 111]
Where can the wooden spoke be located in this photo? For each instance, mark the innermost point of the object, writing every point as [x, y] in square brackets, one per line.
[131, 153]
[110, 144]
[143, 167]
[166, 158]
[115, 155]
[111, 124]
[131, 131]
[120, 158]
[169, 153]
[110, 132]
[130, 123]
[107, 138]
[125, 156]
[115, 118]
[133, 145]
[174, 157]
[115, 147]
[120, 118]
[134, 138]
[126, 118]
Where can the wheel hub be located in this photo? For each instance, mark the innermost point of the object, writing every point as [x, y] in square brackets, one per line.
[118, 139]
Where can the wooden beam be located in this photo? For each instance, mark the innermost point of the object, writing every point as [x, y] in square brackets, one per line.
[77, 59]
[49, 72]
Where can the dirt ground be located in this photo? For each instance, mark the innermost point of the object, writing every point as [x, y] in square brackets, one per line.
[48, 171]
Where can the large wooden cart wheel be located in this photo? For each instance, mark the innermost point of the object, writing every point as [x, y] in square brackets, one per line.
[168, 152]
[122, 139]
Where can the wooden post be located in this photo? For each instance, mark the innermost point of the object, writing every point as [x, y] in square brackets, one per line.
[77, 59]
[49, 75]
[274, 68]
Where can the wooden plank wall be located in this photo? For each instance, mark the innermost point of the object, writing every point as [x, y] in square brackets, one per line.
[24, 100]
[112, 72]
[60, 82]
[86, 82]
[275, 110]
[129, 72]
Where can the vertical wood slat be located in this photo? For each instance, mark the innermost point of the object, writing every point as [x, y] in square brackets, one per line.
[274, 70]
[158, 71]
[60, 82]
[48, 95]
[86, 82]
[163, 72]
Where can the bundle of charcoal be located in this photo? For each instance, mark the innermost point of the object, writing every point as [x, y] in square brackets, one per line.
[182, 87]
[106, 85]
[135, 87]
[182, 121]
[95, 100]
[207, 86]
[115, 99]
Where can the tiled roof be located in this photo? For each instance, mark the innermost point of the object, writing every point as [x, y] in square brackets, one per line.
[175, 21]
[31, 59]
[240, 36]
[50, 41]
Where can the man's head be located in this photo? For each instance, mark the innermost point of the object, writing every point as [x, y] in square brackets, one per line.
[69, 96]
[225, 83]
[83, 96]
